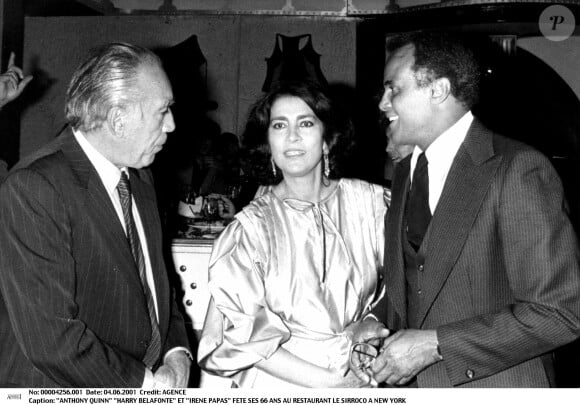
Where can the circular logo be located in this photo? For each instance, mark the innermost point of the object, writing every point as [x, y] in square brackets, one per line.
[557, 23]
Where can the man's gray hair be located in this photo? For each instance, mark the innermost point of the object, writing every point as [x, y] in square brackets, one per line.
[104, 81]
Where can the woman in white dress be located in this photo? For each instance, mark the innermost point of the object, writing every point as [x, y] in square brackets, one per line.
[299, 264]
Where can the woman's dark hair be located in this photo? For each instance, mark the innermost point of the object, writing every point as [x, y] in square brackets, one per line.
[440, 54]
[338, 130]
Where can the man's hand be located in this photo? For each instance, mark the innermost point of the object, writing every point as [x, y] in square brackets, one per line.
[12, 82]
[404, 355]
[174, 372]
[368, 331]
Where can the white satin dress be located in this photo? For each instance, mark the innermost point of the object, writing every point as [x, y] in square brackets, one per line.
[293, 274]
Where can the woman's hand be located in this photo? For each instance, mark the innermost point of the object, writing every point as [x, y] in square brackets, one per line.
[366, 330]
[288, 367]
[366, 337]
[340, 379]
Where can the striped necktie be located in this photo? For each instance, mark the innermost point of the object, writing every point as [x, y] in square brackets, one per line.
[124, 190]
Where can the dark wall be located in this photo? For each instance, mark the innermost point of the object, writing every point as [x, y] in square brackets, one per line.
[235, 48]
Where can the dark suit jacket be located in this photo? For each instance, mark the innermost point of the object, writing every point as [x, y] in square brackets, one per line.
[73, 310]
[3, 170]
[501, 279]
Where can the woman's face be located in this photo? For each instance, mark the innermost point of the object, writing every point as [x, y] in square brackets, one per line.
[295, 137]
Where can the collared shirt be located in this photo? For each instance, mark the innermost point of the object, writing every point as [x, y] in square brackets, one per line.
[440, 155]
[110, 176]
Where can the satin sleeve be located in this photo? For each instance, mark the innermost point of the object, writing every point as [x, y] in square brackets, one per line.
[381, 203]
[239, 329]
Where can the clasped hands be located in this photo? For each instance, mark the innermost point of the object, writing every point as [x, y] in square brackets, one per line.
[394, 359]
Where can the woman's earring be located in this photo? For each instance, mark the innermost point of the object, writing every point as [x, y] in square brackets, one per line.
[326, 165]
[273, 167]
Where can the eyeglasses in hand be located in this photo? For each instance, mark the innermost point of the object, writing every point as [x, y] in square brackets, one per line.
[366, 353]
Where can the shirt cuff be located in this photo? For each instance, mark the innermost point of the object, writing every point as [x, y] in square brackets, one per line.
[148, 381]
[179, 348]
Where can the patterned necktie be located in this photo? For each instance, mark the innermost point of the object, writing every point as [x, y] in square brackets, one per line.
[418, 213]
[124, 190]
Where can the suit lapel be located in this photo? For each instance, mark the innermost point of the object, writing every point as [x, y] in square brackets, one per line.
[99, 208]
[467, 183]
[144, 195]
[394, 262]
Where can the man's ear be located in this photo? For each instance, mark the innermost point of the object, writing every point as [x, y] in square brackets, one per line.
[116, 120]
[440, 90]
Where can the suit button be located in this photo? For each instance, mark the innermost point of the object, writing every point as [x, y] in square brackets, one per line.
[188, 303]
[469, 373]
[420, 268]
[182, 268]
[419, 292]
[193, 286]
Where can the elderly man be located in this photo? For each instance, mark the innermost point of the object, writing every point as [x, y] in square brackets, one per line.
[481, 262]
[86, 299]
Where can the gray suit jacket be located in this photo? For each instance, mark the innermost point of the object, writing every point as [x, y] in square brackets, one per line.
[501, 279]
[73, 311]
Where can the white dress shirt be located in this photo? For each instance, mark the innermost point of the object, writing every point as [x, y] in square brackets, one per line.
[440, 155]
[110, 176]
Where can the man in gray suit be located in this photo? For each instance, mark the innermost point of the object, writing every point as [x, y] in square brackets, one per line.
[86, 299]
[481, 275]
